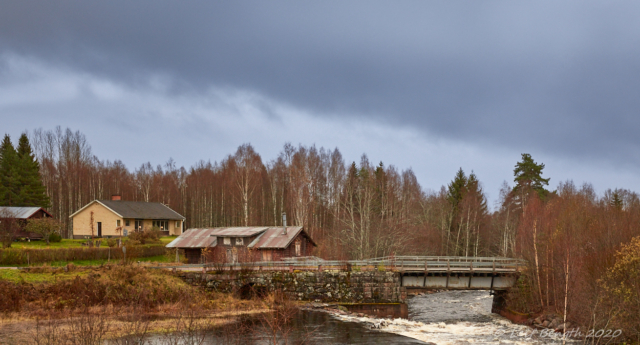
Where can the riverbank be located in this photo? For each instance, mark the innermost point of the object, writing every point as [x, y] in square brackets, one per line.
[45, 306]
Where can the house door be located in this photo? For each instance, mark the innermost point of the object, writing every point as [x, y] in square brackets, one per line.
[99, 229]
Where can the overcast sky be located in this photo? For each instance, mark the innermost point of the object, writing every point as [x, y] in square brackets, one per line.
[431, 86]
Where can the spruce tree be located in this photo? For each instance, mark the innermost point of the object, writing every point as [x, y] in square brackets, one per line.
[473, 188]
[8, 179]
[31, 192]
[457, 189]
[616, 200]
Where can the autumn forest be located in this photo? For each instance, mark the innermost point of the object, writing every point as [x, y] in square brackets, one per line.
[580, 248]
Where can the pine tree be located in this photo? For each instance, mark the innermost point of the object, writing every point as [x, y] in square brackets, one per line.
[9, 185]
[528, 179]
[31, 191]
[528, 175]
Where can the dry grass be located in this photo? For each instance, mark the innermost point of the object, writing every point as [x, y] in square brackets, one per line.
[125, 303]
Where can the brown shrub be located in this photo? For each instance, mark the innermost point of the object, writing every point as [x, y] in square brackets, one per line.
[117, 285]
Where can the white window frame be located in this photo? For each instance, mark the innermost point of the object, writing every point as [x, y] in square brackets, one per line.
[117, 222]
[226, 241]
[239, 241]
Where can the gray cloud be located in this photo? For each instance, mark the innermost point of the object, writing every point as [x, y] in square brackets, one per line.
[549, 77]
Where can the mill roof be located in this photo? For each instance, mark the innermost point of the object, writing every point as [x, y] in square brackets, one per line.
[274, 238]
[268, 237]
[195, 238]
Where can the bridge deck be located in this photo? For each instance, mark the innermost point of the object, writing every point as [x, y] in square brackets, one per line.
[461, 273]
[405, 264]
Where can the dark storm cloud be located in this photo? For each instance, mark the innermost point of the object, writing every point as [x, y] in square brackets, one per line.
[562, 78]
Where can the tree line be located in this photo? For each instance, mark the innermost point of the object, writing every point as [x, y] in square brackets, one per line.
[575, 241]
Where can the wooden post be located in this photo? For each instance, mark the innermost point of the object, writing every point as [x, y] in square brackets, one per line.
[470, 272]
[426, 269]
[448, 271]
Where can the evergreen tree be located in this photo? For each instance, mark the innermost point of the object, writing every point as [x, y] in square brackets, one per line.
[31, 191]
[8, 180]
[457, 188]
[616, 200]
[528, 176]
[473, 188]
[528, 179]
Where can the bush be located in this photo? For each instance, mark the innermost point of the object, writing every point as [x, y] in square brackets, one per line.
[147, 236]
[621, 285]
[113, 285]
[55, 237]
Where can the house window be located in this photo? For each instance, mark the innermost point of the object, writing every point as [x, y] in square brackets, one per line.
[163, 225]
[239, 241]
[177, 224]
[126, 222]
[118, 222]
[227, 241]
[138, 224]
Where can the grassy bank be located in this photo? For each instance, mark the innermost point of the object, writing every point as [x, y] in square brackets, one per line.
[68, 243]
[110, 302]
[157, 259]
[30, 256]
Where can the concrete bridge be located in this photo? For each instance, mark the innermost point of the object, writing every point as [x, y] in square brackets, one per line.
[459, 273]
[380, 280]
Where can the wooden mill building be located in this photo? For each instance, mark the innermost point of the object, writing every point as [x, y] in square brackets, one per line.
[244, 244]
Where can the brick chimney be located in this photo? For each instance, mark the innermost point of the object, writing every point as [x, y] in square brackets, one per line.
[116, 197]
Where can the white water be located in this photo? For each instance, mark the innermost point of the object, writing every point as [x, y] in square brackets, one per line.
[458, 317]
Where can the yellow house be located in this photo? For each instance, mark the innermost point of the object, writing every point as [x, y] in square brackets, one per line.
[115, 218]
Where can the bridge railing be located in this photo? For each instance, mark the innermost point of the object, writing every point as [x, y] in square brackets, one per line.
[396, 263]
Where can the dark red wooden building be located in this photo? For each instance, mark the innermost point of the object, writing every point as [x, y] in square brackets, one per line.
[22, 214]
[244, 244]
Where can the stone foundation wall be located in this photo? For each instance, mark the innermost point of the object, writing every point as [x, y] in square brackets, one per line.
[322, 286]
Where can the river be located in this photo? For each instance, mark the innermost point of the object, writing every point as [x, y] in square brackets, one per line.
[444, 318]
[458, 317]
